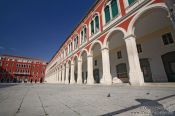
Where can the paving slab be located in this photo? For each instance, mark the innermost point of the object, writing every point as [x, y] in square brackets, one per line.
[85, 100]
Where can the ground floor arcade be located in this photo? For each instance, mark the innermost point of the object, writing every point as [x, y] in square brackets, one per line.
[146, 53]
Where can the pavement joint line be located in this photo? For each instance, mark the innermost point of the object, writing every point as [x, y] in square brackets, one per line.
[45, 113]
[19, 108]
[70, 108]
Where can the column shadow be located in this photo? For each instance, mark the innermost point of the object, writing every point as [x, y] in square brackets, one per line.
[154, 107]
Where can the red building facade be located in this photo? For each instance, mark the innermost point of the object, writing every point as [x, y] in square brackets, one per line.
[21, 69]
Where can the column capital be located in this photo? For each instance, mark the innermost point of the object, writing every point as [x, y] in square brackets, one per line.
[104, 48]
[90, 56]
[79, 60]
[128, 36]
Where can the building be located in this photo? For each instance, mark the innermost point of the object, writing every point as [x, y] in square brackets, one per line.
[21, 69]
[118, 41]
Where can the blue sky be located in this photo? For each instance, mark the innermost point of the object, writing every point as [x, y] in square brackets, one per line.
[37, 28]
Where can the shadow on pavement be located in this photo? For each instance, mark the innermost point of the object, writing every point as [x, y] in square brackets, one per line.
[5, 85]
[154, 107]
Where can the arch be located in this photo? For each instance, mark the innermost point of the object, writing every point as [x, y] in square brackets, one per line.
[111, 32]
[82, 51]
[68, 60]
[142, 11]
[94, 43]
[74, 57]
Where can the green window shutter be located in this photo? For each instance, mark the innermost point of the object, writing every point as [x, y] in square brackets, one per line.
[114, 8]
[92, 27]
[82, 36]
[107, 14]
[97, 22]
[131, 1]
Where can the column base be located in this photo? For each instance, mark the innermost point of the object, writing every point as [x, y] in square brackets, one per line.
[106, 80]
[66, 82]
[72, 82]
[79, 82]
[136, 78]
[90, 81]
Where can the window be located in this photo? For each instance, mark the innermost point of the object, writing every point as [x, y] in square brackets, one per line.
[70, 47]
[76, 42]
[95, 63]
[114, 8]
[121, 70]
[111, 10]
[131, 1]
[83, 35]
[0, 63]
[167, 38]
[119, 54]
[94, 25]
[139, 48]
[107, 14]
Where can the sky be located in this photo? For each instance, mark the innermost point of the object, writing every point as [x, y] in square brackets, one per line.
[37, 28]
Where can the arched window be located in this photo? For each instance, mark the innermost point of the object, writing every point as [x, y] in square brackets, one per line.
[70, 48]
[111, 10]
[83, 35]
[95, 24]
[107, 14]
[76, 42]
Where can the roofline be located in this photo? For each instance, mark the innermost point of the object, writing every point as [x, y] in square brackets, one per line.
[75, 28]
[6, 55]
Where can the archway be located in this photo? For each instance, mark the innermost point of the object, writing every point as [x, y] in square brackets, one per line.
[97, 62]
[69, 75]
[118, 56]
[75, 68]
[153, 31]
[83, 57]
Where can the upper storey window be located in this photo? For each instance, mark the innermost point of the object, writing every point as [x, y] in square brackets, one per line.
[70, 48]
[131, 2]
[83, 35]
[94, 25]
[111, 10]
[76, 42]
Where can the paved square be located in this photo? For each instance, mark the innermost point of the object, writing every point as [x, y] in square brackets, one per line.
[83, 100]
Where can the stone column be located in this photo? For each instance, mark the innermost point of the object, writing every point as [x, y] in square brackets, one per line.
[57, 75]
[90, 79]
[135, 73]
[60, 75]
[79, 80]
[72, 77]
[63, 74]
[67, 74]
[106, 78]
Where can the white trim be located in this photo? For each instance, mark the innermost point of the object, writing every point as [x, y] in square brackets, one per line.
[141, 11]
[93, 43]
[112, 31]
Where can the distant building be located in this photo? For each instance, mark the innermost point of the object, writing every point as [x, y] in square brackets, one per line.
[21, 69]
[118, 41]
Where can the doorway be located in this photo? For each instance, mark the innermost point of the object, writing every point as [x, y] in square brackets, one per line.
[146, 69]
[169, 65]
[96, 76]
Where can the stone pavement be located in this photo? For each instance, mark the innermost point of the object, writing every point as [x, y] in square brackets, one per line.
[83, 100]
